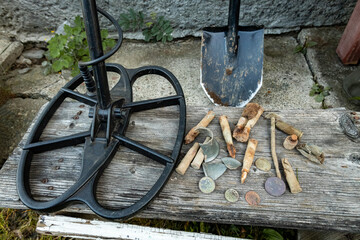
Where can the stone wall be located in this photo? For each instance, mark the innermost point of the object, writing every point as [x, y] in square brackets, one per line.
[187, 17]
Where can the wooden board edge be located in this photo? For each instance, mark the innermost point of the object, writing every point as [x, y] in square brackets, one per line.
[95, 229]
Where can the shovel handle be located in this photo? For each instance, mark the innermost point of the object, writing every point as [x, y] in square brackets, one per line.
[233, 22]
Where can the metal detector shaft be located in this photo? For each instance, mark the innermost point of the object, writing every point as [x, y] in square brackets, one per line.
[96, 51]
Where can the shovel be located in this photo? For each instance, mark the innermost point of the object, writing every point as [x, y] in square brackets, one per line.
[232, 61]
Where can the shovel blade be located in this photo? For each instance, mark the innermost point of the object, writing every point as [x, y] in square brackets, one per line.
[232, 79]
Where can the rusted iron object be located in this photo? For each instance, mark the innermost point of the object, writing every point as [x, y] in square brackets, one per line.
[225, 127]
[193, 133]
[248, 158]
[247, 121]
[290, 142]
[311, 152]
[285, 127]
[290, 176]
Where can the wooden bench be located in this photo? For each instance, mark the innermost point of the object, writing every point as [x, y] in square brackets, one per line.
[329, 200]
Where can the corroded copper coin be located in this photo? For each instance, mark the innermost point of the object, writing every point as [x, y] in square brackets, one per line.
[275, 186]
[252, 198]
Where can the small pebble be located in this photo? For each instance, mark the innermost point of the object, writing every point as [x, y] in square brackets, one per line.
[24, 70]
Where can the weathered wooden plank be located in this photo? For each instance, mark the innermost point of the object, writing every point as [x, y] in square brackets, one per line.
[96, 229]
[330, 191]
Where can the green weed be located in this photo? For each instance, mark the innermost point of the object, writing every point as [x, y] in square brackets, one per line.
[303, 48]
[65, 51]
[153, 27]
[319, 93]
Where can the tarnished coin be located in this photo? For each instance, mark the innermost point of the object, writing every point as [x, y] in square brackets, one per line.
[231, 163]
[231, 195]
[275, 186]
[263, 164]
[252, 198]
[206, 185]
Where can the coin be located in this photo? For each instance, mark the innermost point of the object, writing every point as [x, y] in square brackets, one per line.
[231, 163]
[275, 186]
[206, 185]
[231, 195]
[252, 198]
[263, 164]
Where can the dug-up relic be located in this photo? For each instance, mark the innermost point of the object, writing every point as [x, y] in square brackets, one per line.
[290, 142]
[275, 186]
[214, 170]
[206, 185]
[232, 195]
[248, 158]
[199, 157]
[227, 135]
[210, 146]
[311, 152]
[231, 163]
[263, 164]
[283, 126]
[247, 121]
[194, 132]
[252, 198]
[349, 128]
[291, 179]
[185, 162]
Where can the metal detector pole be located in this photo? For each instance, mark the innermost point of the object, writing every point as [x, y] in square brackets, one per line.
[95, 47]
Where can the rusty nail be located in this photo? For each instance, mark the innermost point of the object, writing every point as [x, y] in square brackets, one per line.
[76, 117]
[356, 117]
[44, 180]
[82, 106]
[57, 167]
[79, 113]
[51, 188]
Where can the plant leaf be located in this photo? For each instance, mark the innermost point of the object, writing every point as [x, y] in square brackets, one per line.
[298, 49]
[319, 97]
[271, 234]
[311, 44]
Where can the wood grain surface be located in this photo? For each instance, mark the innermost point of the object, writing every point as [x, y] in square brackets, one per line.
[329, 200]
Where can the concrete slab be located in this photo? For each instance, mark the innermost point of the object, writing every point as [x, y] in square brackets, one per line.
[284, 72]
[287, 79]
[34, 83]
[181, 57]
[325, 64]
[16, 116]
[9, 52]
